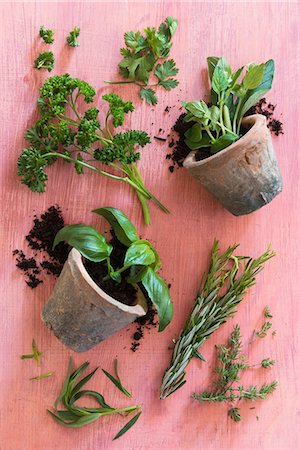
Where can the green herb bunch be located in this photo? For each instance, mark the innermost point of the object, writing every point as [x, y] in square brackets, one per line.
[228, 279]
[141, 262]
[231, 364]
[147, 55]
[72, 37]
[64, 132]
[47, 35]
[218, 125]
[45, 60]
[74, 416]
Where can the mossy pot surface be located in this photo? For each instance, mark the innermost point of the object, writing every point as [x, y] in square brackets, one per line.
[245, 176]
[80, 313]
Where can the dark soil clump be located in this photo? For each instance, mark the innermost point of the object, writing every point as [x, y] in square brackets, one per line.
[123, 291]
[267, 110]
[180, 150]
[40, 241]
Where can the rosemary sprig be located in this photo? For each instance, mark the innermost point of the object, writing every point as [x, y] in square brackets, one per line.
[74, 416]
[229, 273]
[231, 363]
[36, 354]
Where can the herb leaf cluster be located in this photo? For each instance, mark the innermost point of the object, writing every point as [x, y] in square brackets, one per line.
[227, 281]
[146, 55]
[231, 364]
[74, 416]
[141, 259]
[45, 60]
[64, 131]
[218, 125]
[46, 35]
[72, 37]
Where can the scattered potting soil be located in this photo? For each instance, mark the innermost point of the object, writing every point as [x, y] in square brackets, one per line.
[267, 110]
[40, 241]
[179, 149]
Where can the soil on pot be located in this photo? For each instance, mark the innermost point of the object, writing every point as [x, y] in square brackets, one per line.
[123, 292]
[179, 149]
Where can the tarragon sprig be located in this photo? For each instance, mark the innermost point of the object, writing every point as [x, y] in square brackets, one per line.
[226, 283]
[74, 416]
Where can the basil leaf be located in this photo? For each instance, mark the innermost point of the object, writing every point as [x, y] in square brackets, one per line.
[214, 117]
[157, 264]
[158, 293]
[91, 244]
[224, 141]
[253, 77]
[194, 134]
[124, 229]
[198, 108]
[139, 254]
[253, 95]
[136, 274]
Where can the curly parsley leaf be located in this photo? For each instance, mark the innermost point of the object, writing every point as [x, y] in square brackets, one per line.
[72, 38]
[46, 35]
[45, 60]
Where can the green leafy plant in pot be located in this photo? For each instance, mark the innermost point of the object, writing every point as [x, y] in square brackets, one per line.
[80, 311]
[232, 155]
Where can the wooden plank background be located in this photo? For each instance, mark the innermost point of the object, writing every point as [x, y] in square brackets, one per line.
[242, 32]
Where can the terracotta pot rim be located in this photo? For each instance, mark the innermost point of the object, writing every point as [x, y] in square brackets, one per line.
[137, 309]
[256, 119]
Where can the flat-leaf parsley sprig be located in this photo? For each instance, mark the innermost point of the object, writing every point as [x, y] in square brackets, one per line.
[147, 55]
[63, 131]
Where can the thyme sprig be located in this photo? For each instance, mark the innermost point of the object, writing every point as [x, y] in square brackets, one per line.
[74, 416]
[231, 363]
[228, 279]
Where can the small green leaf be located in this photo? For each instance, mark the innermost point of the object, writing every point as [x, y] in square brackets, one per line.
[136, 274]
[198, 109]
[199, 355]
[98, 397]
[167, 69]
[212, 61]
[219, 80]
[117, 383]
[149, 96]
[78, 166]
[224, 141]
[158, 293]
[169, 84]
[91, 244]
[172, 24]
[253, 77]
[139, 253]
[44, 375]
[122, 226]
[127, 426]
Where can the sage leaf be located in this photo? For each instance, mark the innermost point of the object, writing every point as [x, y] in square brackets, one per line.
[91, 244]
[158, 292]
[122, 226]
[224, 141]
[253, 77]
[253, 95]
[127, 426]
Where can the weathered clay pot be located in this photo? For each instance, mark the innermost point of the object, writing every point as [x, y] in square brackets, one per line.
[80, 313]
[244, 176]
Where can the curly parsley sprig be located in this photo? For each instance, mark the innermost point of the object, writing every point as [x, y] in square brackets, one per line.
[147, 55]
[63, 131]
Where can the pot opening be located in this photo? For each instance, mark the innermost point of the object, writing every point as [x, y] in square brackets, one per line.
[123, 292]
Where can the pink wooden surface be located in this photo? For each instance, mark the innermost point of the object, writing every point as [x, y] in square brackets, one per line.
[242, 32]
